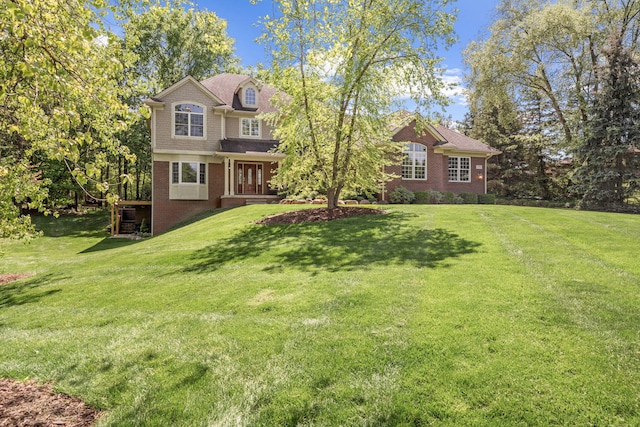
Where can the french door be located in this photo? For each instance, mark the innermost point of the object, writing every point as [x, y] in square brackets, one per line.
[249, 178]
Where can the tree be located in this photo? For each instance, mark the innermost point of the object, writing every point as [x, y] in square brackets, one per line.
[609, 154]
[494, 118]
[343, 66]
[59, 99]
[171, 42]
[545, 56]
[539, 47]
[168, 42]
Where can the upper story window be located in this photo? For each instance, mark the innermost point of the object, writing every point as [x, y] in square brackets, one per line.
[414, 161]
[250, 96]
[189, 120]
[250, 127]
[459, 169]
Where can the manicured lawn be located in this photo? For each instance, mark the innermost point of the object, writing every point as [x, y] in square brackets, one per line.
[444, 315]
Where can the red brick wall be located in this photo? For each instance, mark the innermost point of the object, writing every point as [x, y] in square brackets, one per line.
[437, 169]
[166, 212]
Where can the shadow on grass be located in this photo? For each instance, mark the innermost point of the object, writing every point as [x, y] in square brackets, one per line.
[348, 244]
[25, 291]
[110, 243]
[114, 243]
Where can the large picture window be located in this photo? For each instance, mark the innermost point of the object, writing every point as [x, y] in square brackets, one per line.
[414, 161]
[188, 173]
[250, 127]
[189, 120]
[459, 169]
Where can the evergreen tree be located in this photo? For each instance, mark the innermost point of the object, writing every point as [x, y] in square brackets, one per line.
[609, 171]
[494, 119]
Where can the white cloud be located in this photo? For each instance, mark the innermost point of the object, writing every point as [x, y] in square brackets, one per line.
[454, 89]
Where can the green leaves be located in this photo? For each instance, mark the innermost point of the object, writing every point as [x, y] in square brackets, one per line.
[20, 186]
[172, 41]
[346, 66]
[60, 95]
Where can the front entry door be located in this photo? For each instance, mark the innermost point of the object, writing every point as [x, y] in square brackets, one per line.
[249, 178]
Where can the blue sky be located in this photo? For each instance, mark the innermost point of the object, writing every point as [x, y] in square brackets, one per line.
[242, 17]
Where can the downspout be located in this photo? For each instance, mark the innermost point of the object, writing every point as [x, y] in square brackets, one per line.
[485, 174]
[153, 179]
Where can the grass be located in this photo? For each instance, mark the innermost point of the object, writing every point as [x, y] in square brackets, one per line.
[430, 315]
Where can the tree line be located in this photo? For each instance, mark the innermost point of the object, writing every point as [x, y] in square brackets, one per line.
[556, 87]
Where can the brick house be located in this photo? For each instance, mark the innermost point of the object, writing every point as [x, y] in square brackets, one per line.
[210, 150]
[439, 159]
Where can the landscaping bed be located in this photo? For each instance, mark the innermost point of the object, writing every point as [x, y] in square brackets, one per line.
[30, 404]
[318, 215]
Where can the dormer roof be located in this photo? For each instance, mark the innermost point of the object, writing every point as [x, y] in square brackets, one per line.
[227, 86]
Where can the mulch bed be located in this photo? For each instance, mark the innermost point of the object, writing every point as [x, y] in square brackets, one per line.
[318, 215]
[8, 278]
[25, 404]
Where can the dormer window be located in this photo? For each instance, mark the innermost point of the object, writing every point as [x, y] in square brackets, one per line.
[249, 96]
[188, 120]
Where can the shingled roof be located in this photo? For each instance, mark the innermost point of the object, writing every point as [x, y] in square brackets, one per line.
[239, 145]
[225, 87]
[456, 140]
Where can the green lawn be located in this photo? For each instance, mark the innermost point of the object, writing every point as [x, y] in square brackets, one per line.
[429, 315]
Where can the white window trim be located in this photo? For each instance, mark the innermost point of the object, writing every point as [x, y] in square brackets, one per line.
[458, 169]
[413, 166]
[204, 121]
[180, 162]
[250, 136]
[244, 97]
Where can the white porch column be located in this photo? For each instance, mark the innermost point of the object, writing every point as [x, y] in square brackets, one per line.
[232, 176]
[226, 176]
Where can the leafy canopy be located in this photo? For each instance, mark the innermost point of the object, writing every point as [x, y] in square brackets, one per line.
[59, 98]
[345, 66]
[171, 41]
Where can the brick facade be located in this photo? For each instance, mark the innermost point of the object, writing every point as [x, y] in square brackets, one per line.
[222, 145]
[437, 176]
[168, 212]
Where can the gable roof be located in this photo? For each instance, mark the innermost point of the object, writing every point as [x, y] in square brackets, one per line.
[456, 141]
[447, 140]
[157, 100]
[225, 86]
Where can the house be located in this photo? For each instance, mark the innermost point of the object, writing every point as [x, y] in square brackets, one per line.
[210, 150]
[439, 159]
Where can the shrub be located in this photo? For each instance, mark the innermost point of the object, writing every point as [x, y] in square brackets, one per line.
[437, 196]
[449, 197]
[487, 199]
[422, 197]
[469, 198]
[144, 228]
[401, 195]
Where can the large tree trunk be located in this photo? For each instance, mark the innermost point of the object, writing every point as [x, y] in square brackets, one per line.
[332, 198]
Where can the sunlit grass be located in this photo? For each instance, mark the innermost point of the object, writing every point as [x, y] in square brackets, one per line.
[431, 314]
